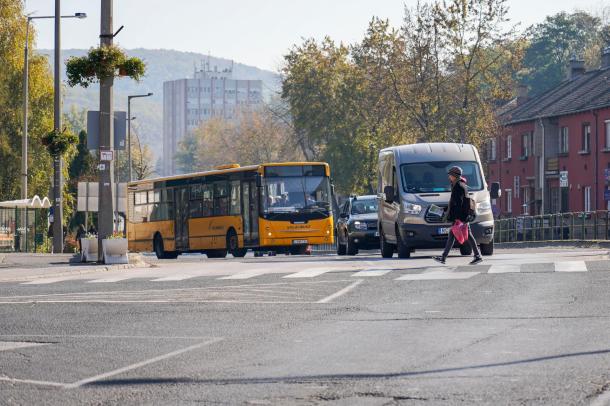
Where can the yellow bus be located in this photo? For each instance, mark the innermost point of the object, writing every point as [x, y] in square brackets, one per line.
[279, 207]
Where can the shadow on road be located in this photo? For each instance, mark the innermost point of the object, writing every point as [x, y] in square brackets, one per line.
[334, 377]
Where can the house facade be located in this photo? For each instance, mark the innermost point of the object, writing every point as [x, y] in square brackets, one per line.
[552, 154]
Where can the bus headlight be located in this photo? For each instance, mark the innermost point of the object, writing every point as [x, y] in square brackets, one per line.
[483, 207]
[411, 208]
[358, 225]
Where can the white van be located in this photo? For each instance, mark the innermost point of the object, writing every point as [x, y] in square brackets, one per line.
[414, 193]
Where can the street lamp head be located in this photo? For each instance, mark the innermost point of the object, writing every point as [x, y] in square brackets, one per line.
[80, 15]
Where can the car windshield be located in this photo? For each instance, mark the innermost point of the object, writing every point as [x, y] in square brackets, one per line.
[431, 177]
[364, 206]
[296, 194]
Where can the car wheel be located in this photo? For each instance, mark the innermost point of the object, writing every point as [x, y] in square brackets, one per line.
[387, 249]
[403, 250]
[352, 248]
[465, 250]
[487, 249]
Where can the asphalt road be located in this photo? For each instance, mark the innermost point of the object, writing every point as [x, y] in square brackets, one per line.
[528, 327]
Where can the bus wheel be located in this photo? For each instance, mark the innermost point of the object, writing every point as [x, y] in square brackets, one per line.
[160, 250]
[233, 245]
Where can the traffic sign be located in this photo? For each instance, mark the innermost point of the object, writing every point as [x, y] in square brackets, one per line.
[106, 155]
[563, 179]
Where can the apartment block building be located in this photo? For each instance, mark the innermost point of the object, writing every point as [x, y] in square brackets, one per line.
[187, 103]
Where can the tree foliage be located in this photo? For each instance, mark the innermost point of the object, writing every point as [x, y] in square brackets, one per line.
[12, 41]
[255, 137]
[555, 41]
[439, 77]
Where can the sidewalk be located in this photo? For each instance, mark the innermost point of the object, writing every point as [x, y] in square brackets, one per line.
[26, 266]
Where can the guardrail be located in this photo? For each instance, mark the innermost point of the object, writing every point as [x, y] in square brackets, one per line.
[579, 226]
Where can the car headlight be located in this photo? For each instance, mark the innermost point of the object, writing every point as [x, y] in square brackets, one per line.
[360, 225]
[411, 208]
[483, 207]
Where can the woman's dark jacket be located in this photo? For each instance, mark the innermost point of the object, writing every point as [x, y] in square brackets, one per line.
[459, 206]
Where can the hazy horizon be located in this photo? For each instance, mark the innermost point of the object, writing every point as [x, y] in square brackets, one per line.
[252, 33]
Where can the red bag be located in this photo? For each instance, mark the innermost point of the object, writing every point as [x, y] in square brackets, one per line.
[460, 231]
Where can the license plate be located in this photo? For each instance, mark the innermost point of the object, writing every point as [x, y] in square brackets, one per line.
[376, 233]
[299, 242]
[443, 230]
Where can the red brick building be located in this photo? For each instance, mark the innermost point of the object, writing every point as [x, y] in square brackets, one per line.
[554, 149]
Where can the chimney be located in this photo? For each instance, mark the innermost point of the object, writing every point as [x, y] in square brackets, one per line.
[576, 68]
[522, 96]
[606, 57]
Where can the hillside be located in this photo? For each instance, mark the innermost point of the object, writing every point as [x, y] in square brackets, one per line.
[162, 65]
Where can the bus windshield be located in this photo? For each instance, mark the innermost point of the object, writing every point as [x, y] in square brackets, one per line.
[296, 189]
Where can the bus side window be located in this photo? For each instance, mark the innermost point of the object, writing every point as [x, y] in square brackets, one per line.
[208, 200]
[235, 198]
[221, 199]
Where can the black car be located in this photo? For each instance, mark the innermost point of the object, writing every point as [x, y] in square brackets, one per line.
[357, 225]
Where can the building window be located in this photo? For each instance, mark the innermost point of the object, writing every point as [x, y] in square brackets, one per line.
[491, 149]
[563, 140]
[509, 147]
[509, 201]
[607, 133]
[587, 198]
[586, 138]
[525, 145]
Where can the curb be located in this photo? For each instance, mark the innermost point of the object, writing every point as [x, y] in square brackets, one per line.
[106, 268]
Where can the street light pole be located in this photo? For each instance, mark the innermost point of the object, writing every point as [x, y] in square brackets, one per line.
[129, 165]
[26, 72]
[106, 141]
[58, 231]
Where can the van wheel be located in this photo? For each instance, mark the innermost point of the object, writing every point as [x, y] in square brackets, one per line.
[387, 249]
[465, 250]
[352, 248]
[160, 251]
[233, 245]
[487, 249]
[340, 247]
[403, 250]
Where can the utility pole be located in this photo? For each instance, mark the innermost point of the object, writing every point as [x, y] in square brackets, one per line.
[106, 144]
[58, 229]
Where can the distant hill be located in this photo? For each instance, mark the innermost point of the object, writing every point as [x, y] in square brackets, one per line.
[161, 65]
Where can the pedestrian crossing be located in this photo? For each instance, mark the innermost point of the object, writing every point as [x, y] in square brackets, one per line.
[368, 271]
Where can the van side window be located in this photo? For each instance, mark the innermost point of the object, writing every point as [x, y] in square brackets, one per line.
[386, 162]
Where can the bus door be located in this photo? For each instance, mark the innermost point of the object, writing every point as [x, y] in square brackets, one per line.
[181, 225]
[250, 212]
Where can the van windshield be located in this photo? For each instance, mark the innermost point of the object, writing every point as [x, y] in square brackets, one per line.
[431, 177]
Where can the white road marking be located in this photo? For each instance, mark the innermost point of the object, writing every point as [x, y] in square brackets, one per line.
[570, 266]
[244, 275]
[174, 278]
[47, 281]
[341, 292]
[137, 365]
[111, 279]
[371, 273]
[32, 382]
[13, 345]
[505, 268]
[437, 275]
[309, 273]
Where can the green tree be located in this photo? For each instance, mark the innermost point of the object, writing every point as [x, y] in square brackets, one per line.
[12, 40]
[555, 41]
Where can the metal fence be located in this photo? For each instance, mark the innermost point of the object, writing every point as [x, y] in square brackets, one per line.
[578, 226]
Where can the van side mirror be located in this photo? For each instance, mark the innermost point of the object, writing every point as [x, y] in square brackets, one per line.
[344, 215]
[495, 192]
[389, 193]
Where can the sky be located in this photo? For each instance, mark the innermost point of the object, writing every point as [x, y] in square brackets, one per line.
[254, 32]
